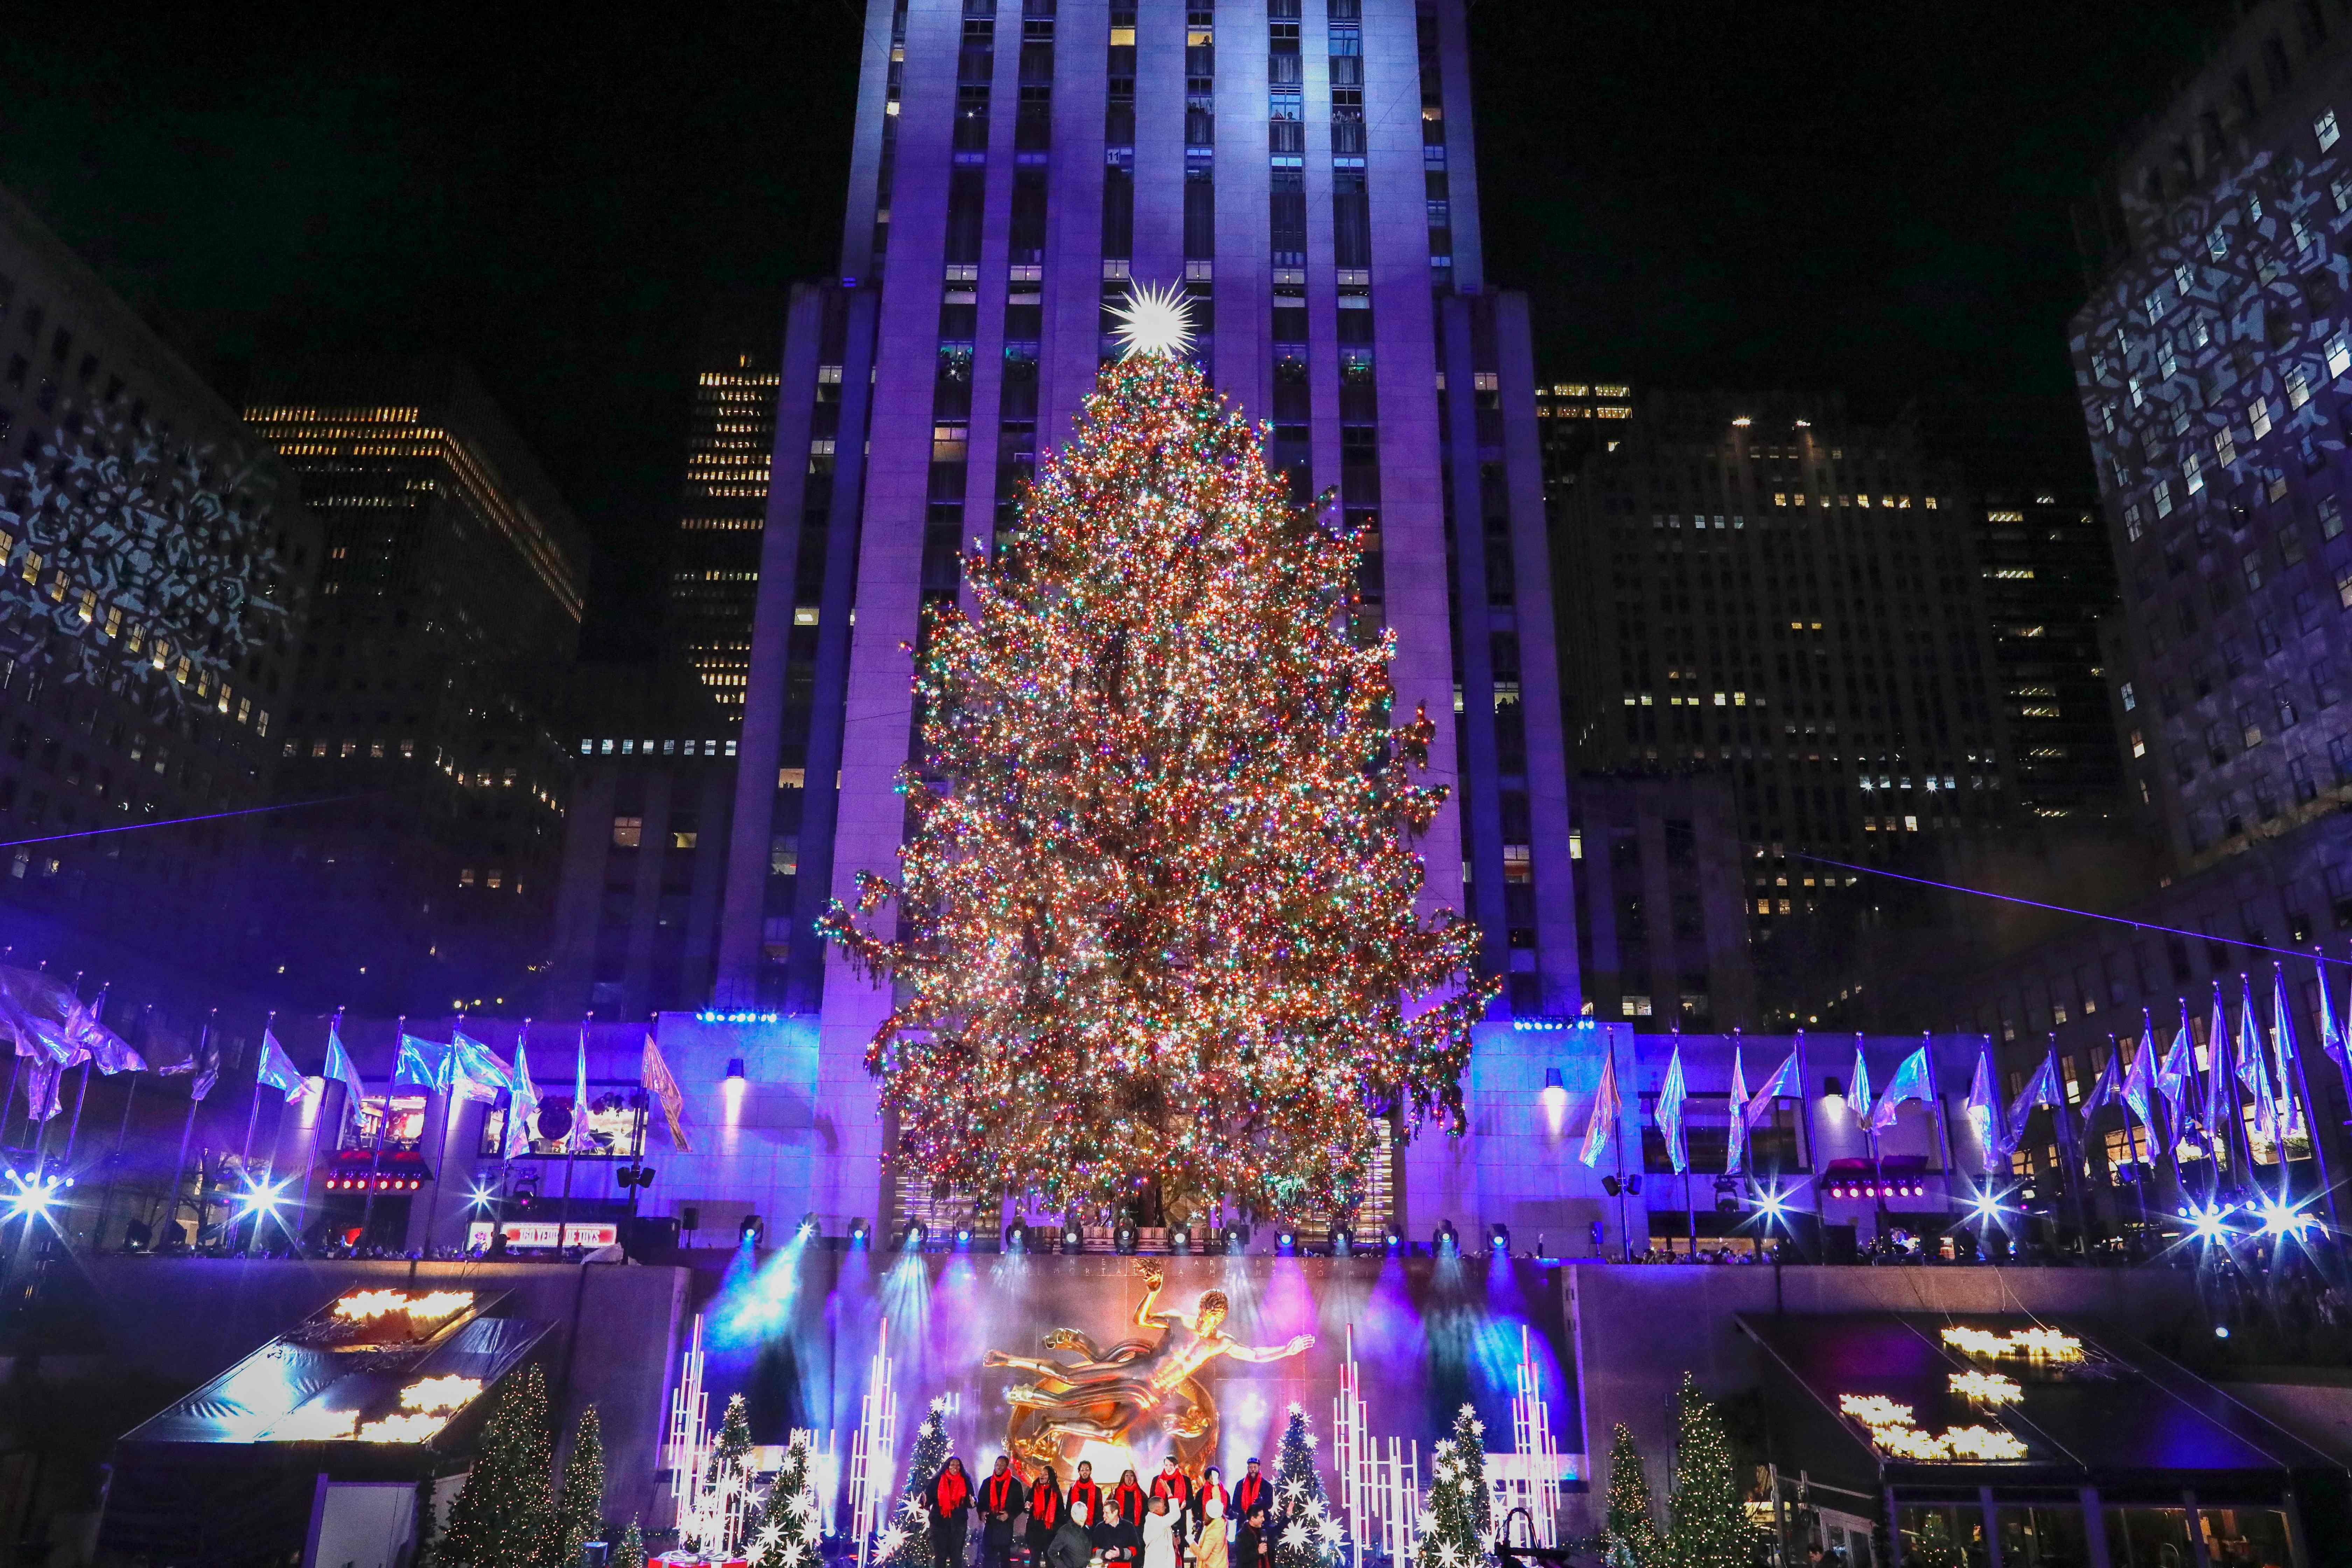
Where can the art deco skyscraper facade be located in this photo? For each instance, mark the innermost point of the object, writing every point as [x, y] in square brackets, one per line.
[1303, 169]
[713, 581]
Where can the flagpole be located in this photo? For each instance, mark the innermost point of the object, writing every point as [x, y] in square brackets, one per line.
[1805, 1126]
[97, 1015]
[317, 1128]
[382, 1123]
[179, 1167]
[441, 1153]
[2310, 1111]
[580, 1113]
[114, 1163]
[253, 1116]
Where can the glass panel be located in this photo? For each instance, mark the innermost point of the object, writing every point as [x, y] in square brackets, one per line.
[2044, 1538]
[2254, 1537]
[2149, 1538]
[1945, 1536]
[613, 1132]
[408, 1128]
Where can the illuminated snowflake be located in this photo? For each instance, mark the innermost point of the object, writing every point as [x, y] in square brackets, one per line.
[1154, 321]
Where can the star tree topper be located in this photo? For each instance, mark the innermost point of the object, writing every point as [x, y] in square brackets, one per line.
[1155, 322]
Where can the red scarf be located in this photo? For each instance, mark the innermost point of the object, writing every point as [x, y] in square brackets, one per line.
[1128, 1500]
[952, 1491]
[1088, 1492]
[1173, 1485]
[1215, 1490]
[1249, 1497]
[1045, 1503]
[997, 1491]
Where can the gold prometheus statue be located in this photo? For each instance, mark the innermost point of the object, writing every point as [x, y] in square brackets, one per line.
[1116, 1394]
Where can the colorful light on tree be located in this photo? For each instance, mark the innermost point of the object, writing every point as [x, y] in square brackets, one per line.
[1156, 911]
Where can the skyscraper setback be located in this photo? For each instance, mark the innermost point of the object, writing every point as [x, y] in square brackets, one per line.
[1304, 172]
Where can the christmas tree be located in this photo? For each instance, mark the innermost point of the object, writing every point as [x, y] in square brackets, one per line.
[1707, 1520]
[580, 1507]
[905, 1541]
[733, 1444]
[505, 1515]
[786, 1536]
[1308, 1536]
[1461, 1509]
[1629, 1528]
[1156, 915]
[632, 1550]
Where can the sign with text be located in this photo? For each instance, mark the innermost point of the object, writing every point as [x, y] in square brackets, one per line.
[542, 1233]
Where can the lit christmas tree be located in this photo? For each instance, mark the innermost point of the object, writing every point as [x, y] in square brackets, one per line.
[1308, 1534]
[1708, 1521]
[732, 1447]
[786, 1535]
[579, 1506]
[1630, 1528]
[631, 1552]
[505, 1515]
[1156, 915]
[905, 1541]
[1461, 1509]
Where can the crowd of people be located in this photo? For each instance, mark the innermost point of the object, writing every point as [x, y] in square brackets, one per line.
[1172, 1523]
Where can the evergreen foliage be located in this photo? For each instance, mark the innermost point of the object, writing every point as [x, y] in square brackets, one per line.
[1461, 1509]
[1306, 1532]
[1158, 874]
[580, 1508]
[632, 1550]
[905, 1541]
[1629, 1528]
[505, 1516]
[1708, 1518]
[733, 1444]
[786, 1535]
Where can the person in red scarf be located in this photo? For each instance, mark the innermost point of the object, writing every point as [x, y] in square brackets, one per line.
[1001, 1501]
[1251, 1495]
[1213, 1485]
[1253, 1507]
[1128, 1503]
[1086, 1489]
[1045, 1510]
[949, 1497]
[1176, 1486]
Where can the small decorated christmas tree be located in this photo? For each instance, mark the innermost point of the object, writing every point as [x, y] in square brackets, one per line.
[905, 1541]
[1307, 1535]
[732, 1447]
[786, 1535]
[1629, 1528]
[580, 1508]
[1461, 1511]
[505, 1516]
[1707, 1520]
[631, 1552]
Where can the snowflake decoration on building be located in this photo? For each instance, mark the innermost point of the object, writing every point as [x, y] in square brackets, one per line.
[1154, 321]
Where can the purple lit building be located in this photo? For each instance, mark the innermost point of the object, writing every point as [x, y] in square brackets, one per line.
[1305, 172]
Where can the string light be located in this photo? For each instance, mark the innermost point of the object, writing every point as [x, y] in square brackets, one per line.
[1156, 913]
[2037, 1344]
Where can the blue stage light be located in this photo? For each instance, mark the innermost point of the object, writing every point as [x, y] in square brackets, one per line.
[2282, 1219]
[1448, 1239]
[2209, 1222]
[858, 1231]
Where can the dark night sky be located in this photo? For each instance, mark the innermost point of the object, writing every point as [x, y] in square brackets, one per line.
[1795, 194]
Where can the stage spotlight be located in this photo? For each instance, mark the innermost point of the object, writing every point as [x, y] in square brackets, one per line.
[963, 1238]
[1123, 1238]
[911, 1238]
[2209, 1222]
[1072, 1239]
[810, 1228]
[2221, 1330]
[752, 1231]
[1342, 1240]
[1726, 1195]
[1499, 1240]
[480, 1197]
[1285, 1240]
[1180, 1240]
[1611, 1185]
[31, 1199]
[1236, 1237]
[1633, 1184]
[1448, 1239]
[1392, 1240]
[1016, 1237]
[2282, 1219]
[858, 1231]
[1773, 1203]
[263, 1200]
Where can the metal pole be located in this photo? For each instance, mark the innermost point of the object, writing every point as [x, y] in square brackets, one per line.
[97, 1015]
[2311, 1121]
[114, 1163]
[253, 1116]
[382, 1122]
[579, 1122]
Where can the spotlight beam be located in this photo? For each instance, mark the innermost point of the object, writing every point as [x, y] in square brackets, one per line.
[179, 821]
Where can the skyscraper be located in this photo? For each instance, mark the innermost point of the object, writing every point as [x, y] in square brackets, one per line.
[427, 712]
[712, 585]
[1305, 173]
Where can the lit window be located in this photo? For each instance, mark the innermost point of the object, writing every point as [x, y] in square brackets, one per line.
[2192, 473]
[466, 878]
[2132, 528]
[2298, 390]
[1576, 844]
[1639, 1006]
[2225, 448]
[2217, 244]
[2325, 129]
[2258, 416]
[2138, 744]
[628, 831]
[2131, 698]
[2163, 497]
[2339, 356]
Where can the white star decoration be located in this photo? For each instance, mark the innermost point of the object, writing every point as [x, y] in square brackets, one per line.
[890, 1541]
[1295, 1536]
[1154, 321]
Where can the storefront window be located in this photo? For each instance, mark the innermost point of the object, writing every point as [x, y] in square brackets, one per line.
[615, 1129]
[407, 1130]
[2044, 1538]
[2149, 1538]
[2254, 1537]
[1947, 1536]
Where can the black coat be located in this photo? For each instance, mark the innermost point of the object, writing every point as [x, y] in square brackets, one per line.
[948, 1524]
[995, 1531]
[1071, 1547]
